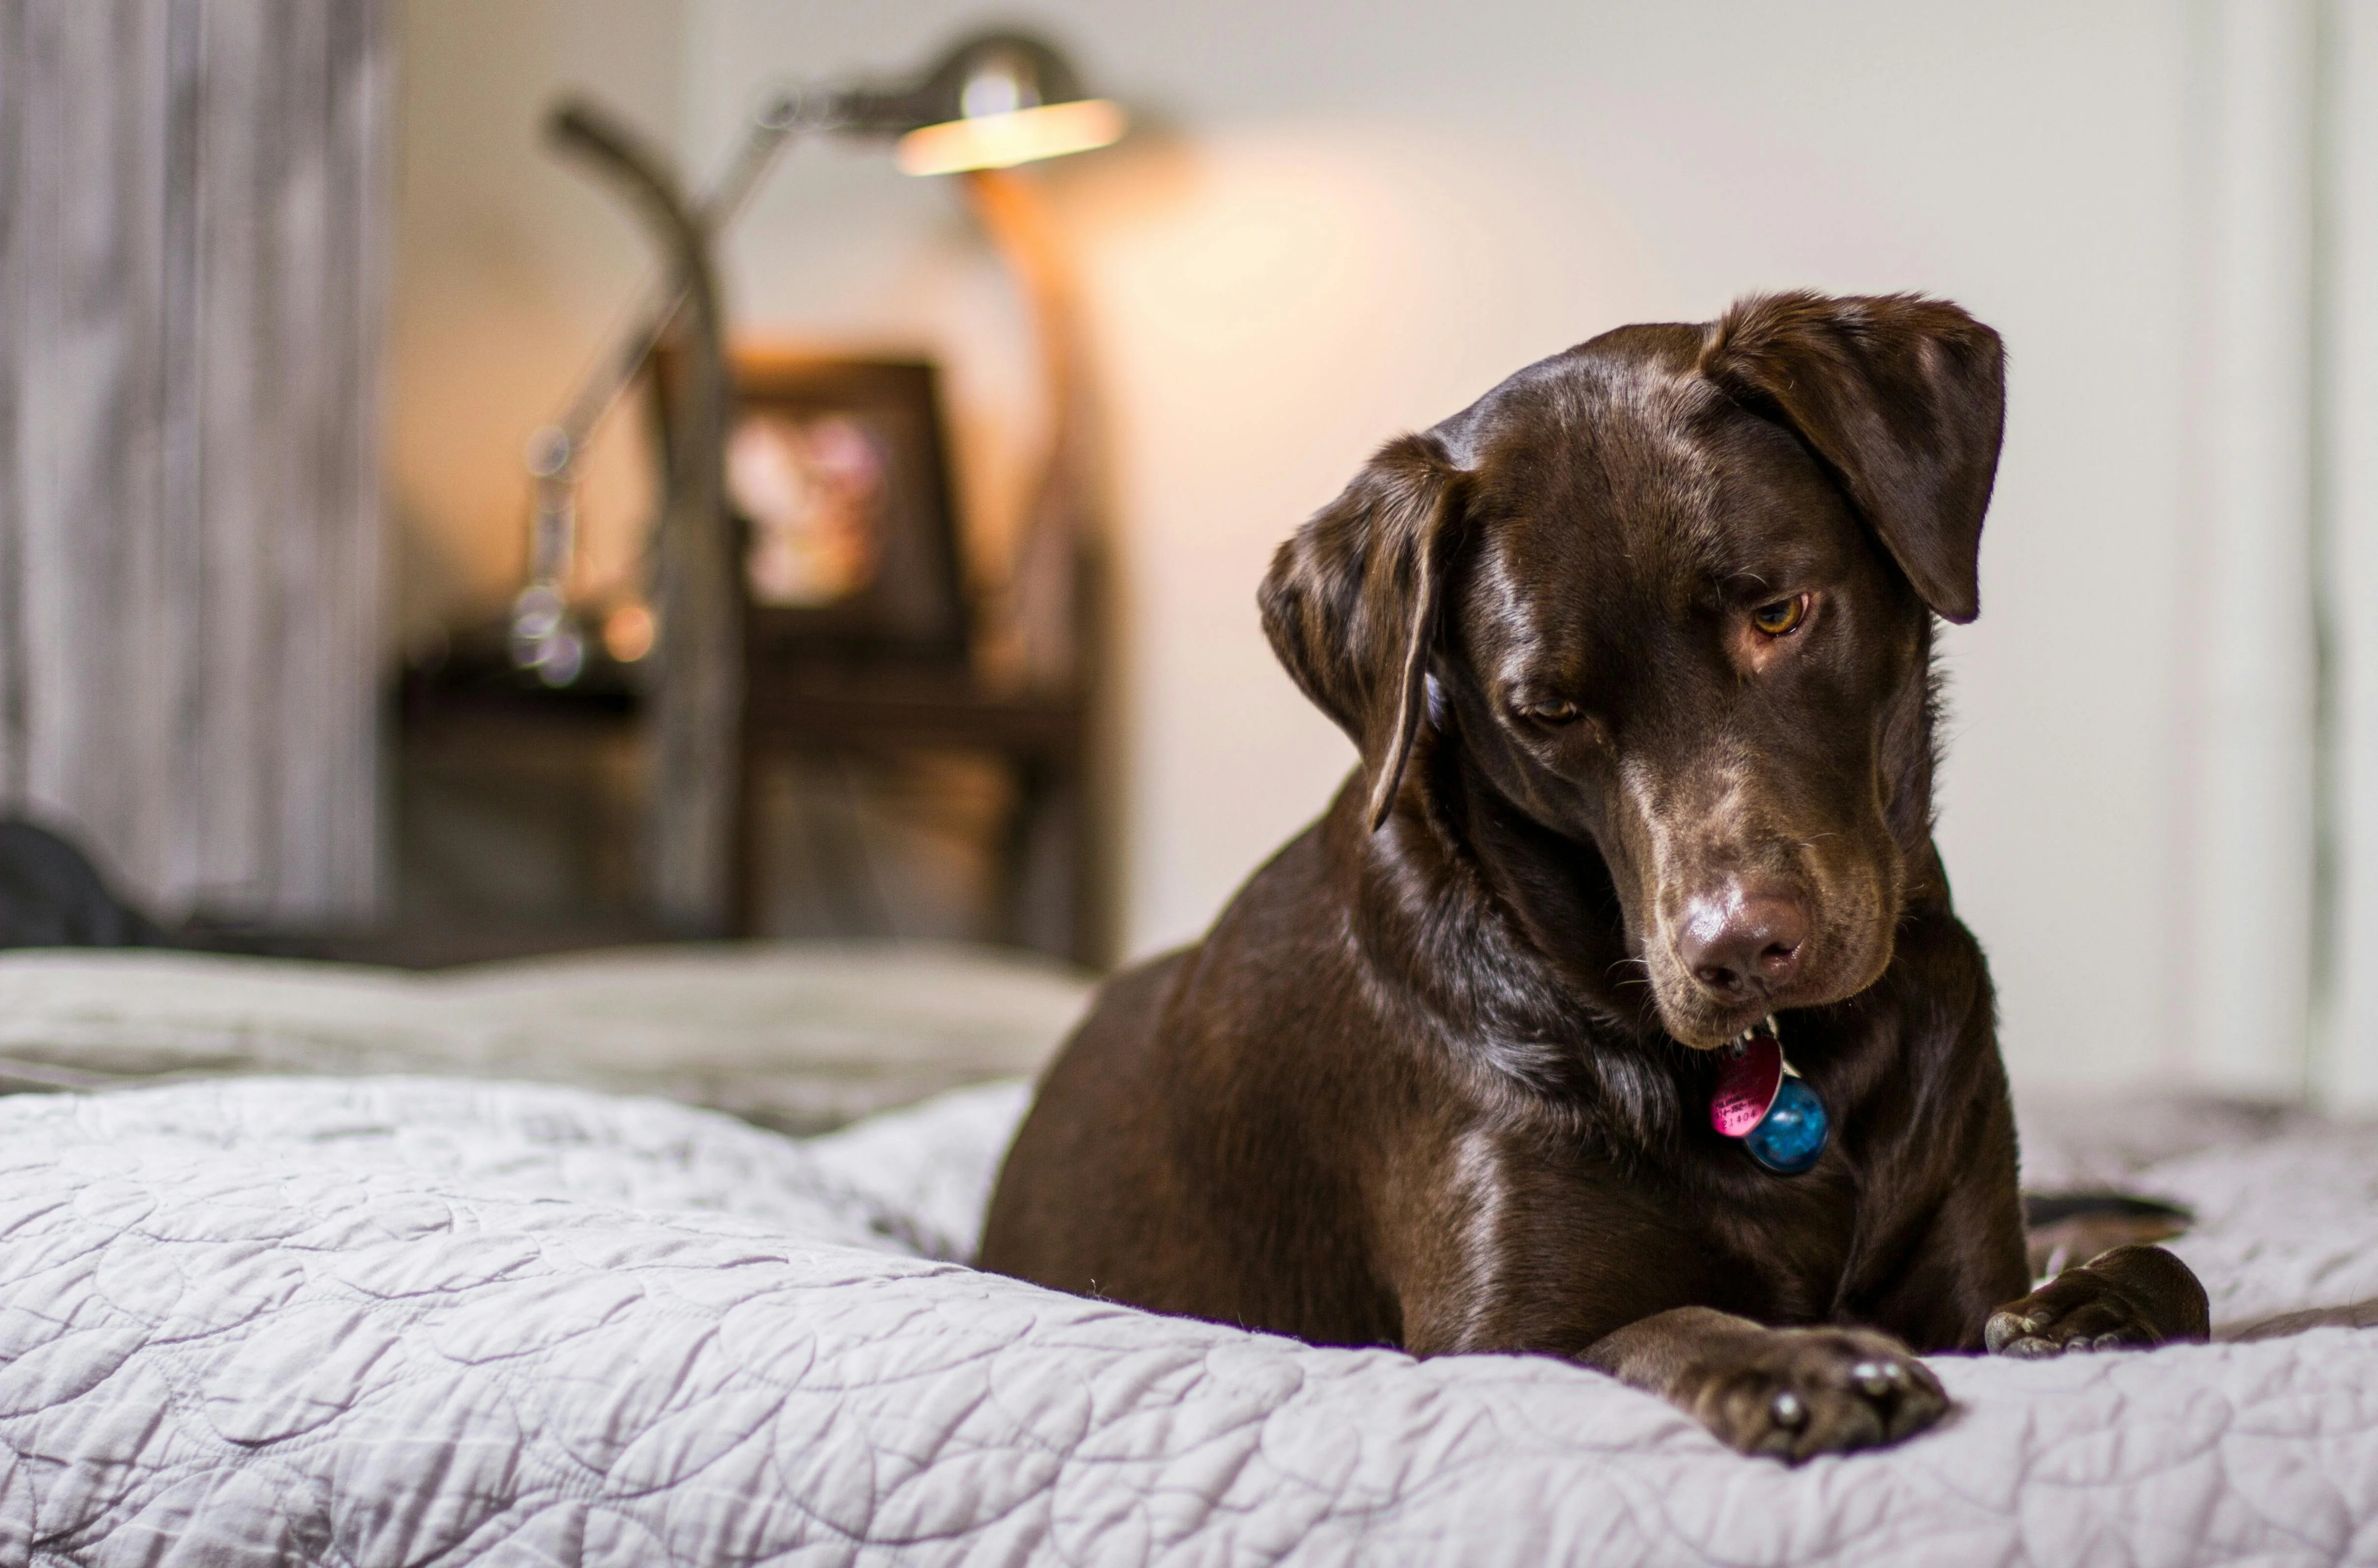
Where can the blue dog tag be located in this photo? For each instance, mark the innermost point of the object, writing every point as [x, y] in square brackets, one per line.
[1789, 1137]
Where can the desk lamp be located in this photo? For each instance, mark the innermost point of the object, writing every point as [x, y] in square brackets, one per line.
[993, 101]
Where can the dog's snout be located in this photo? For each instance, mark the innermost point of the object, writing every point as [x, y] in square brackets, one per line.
[1744, 942]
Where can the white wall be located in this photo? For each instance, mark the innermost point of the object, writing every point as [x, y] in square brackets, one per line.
[511, 270]
[1338, 224]
[2248, 756]
[2346, 1061]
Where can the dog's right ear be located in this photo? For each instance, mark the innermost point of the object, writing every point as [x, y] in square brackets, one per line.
[1904, 397]
[1351, 602]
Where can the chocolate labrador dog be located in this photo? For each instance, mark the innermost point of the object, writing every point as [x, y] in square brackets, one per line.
[1637, 652]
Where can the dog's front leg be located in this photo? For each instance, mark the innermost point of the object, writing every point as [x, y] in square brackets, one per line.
[1792, 1393]
[2130, 1297]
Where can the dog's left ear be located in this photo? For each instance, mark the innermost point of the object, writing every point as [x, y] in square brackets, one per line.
[1352, 599]
[1904, 397]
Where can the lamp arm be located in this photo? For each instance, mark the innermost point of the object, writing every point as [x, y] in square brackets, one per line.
[697, 699]
[683, 236]
[559, 443]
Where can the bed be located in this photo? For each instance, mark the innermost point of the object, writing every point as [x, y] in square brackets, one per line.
[455, 1309]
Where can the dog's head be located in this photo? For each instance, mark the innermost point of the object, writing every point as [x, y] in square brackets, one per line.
[1668, 594]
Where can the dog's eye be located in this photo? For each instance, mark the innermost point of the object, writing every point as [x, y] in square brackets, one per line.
[1554, 713]
[1783, 618]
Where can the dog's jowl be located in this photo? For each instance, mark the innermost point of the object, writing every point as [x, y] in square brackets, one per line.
[1617, 1008]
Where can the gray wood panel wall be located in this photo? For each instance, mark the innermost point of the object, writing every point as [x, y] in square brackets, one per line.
[193, 240]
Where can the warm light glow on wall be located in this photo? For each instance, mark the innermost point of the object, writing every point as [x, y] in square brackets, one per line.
[1268, 306]
[1019, 136]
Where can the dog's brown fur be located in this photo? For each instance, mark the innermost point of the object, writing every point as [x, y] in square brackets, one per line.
[1427, 1083]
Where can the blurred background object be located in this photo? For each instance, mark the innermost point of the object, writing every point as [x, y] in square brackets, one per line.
[2160, 801]
[194, 249]
[801, 597]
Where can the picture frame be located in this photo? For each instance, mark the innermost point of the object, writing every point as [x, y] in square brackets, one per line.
[838, 481]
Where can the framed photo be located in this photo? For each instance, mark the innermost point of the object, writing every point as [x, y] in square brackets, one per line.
[837, 474]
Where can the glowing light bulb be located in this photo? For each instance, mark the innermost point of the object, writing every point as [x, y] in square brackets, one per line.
[1016, 136]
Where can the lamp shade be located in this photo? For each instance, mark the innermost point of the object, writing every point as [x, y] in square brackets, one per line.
[995, 99]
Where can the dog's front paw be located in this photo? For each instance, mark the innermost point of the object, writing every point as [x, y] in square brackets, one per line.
[1795, 1392]
[2130, 1296]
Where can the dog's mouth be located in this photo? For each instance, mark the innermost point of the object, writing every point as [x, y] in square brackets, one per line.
[1764, 1024]
[1764, 1027]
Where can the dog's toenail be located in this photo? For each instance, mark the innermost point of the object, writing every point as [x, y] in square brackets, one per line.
[1788, 1410]
[1872, 1378]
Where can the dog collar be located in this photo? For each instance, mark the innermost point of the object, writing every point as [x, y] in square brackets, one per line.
[1761, 1100]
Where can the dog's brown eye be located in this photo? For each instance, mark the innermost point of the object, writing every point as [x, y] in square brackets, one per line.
[1553, 713]
[1782, 618]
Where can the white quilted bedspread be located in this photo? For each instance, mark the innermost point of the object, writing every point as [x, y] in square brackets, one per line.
[416, 1321]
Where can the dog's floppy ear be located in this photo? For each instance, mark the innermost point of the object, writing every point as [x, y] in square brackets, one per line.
[1903, 397]
[1351, 603]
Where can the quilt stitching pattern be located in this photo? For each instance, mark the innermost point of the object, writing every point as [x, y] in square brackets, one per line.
[406, 1321]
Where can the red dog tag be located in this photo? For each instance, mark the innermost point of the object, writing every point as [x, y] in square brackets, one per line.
[1746, 1086]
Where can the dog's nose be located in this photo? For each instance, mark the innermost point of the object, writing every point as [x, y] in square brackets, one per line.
[1744, 942]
